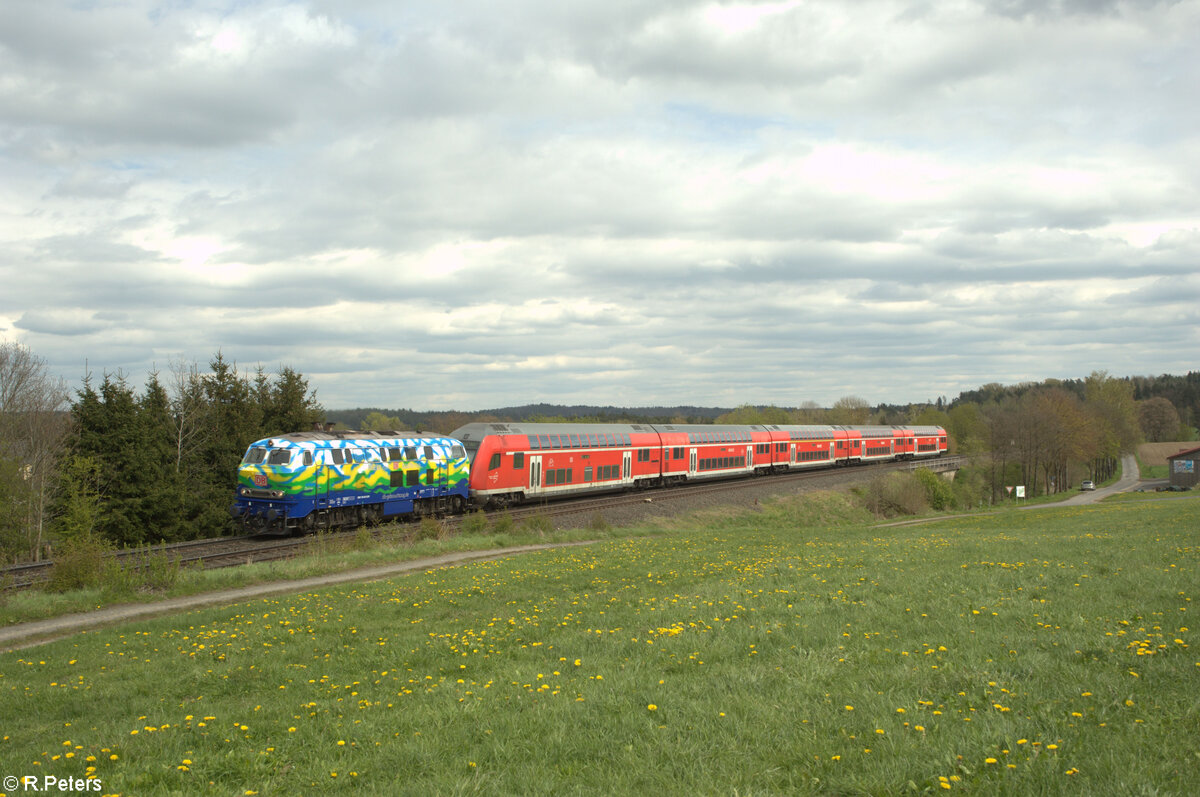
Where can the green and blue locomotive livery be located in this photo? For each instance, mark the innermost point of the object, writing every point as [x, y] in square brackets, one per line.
[301, 482]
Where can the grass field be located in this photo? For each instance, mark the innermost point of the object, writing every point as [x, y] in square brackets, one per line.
[1040, 652]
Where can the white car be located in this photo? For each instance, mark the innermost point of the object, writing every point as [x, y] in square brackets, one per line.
[1088, 484]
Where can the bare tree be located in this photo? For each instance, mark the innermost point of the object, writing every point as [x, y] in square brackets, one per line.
[33, 430]
[188, 408]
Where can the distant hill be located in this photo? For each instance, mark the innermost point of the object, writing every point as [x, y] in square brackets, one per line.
[447, 421]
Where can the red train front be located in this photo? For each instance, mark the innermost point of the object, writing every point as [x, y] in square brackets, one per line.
[512, 462]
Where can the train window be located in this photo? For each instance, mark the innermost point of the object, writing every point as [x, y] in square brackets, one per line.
[255, 456]
[410, 453]
[458, 452]
[550, 481]
[308, 459]
[279, 456]
[575, 441]
[494, 462]
[429, 452]
[533, 441]
[554, 441]
[412, 478]
[568, 476]
[519, 460]
[544, 439]
[587, 474]
[335, 456]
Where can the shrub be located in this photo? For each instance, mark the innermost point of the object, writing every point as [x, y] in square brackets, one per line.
[475, 524]
[892, 494]
[429, 529]
[79, 563]
[504, 523]
[938, 492]
[537, 525]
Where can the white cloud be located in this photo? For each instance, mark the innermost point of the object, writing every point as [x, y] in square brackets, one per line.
[685, 202]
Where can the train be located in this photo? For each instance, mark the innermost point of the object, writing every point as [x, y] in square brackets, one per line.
[301, 482]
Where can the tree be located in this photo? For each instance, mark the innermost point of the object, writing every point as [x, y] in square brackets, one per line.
[163, 495]
[1159, 419]
[291, 406]
[749, 415]
[377, 421]
[849, 411]
[33, 429]
[187, 411]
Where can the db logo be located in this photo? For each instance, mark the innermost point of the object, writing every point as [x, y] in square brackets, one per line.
[260, 480]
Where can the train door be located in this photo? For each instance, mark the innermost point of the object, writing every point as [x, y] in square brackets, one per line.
[750, 456]
[626, 465]
[535, 475]
[791, 453]
[692, 462]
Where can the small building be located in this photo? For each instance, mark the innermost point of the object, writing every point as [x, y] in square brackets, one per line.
[1184, 467]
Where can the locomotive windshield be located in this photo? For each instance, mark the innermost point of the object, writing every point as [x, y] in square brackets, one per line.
[271, 456]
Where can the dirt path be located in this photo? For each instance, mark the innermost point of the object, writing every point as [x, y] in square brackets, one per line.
[25, 635]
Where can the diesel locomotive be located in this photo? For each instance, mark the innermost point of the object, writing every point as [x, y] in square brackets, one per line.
[300, 482]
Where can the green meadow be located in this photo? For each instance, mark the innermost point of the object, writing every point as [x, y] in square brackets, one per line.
[773, 652]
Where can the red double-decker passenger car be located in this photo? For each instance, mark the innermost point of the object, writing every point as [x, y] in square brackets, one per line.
[513, 462]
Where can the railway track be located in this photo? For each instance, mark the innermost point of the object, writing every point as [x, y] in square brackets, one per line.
[232, 551]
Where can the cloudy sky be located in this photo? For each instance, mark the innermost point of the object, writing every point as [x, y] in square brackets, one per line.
[476, 204]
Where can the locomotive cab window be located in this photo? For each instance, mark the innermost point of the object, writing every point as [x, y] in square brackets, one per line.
[494, 462]
[280, 456]
[255, 456]
[519, 460]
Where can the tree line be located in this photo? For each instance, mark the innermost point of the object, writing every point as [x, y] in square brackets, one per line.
[131, 467]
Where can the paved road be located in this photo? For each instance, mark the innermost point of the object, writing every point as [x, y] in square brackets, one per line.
[1128, 481]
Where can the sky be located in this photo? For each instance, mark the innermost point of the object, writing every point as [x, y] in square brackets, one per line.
[469, 205]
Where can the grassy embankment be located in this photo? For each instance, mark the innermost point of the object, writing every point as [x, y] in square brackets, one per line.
[783, 651]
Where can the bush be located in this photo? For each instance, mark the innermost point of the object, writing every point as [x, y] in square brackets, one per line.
[599, 524]
[475, 524]
[537, 525]
[430, 529]
[504, 523]
[142, 571]
[79, 563]
[892, 494]
[938, 492]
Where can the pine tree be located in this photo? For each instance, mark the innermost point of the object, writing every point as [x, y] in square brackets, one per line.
[164, 493]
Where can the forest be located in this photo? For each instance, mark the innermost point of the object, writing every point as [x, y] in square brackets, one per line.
[130, 466]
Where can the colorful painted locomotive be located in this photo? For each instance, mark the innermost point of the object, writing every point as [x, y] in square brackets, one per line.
[298, 483]
[518, 461]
